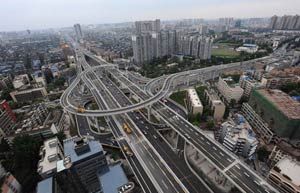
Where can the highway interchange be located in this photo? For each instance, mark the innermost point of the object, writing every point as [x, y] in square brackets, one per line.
[154, 159]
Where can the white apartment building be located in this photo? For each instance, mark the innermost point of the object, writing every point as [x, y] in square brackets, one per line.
[228, 90]
[215, 104]
[238, 137]
[194, 104]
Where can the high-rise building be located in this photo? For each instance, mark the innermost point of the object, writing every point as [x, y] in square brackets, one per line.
[147, 26]
[142, 48]
[87, 159]
[286, 22]
[78, 32]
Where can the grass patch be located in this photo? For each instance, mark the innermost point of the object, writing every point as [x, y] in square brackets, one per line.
[179, 97]
[225, 50]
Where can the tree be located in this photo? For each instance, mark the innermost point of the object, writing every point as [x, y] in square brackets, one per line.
[210, 124]
[5, 94]
[263, 153]
[25, 159]
[232, 102]
[226, 113]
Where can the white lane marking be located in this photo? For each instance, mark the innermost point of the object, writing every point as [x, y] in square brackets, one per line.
[214, 148]
[246, 174]
[207, 142]
[256, 182]
[228, 159]
[164, 183]
[202, 138]
[238, 167]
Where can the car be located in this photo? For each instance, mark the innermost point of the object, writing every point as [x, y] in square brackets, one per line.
[145, 132]
[187, 136]
[154, 136]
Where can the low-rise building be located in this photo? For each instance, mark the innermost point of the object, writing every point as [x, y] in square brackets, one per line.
[247, 83]
[285, 176]
[194, 104]
[238, 137]
[215, 104]
[280, 111]
[28, 95]
[21, 80]
[281, 150]
[249, 48]
[258, 124]
[9, 184]
[274, 81]
[229, 90]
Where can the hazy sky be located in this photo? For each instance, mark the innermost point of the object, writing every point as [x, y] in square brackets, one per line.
[38, 14]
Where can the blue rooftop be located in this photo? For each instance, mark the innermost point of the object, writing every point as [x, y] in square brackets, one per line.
[45, 186]
[112, 179]
[69, 148]
[249, 45]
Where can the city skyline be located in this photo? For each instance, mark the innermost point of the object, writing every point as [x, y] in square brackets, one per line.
[35, 14]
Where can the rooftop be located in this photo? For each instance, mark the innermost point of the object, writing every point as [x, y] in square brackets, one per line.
[78, 148]
[49, 153]
[119, 178]
[194, 97]
[291, 168]
[283, 102]
[45, 186]
[239, 128]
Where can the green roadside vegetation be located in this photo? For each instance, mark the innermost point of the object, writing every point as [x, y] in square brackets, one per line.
[293, 89]
[179, 97]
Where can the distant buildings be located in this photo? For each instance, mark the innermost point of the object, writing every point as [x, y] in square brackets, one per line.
[215, 104]
[78, 32]
[286, 22]
[229, 90]
[147, 26]
[150, 42]
[249, 48]
[285, 175]
[194, 104]
[28, 95]
[238, 137]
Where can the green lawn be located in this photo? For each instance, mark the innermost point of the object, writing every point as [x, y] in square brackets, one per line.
[179, 97]
[225, 50]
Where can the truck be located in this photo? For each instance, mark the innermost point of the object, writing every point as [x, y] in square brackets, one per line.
[126, 128]
[127, 151]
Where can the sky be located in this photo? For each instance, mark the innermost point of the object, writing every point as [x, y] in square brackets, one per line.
[43, 14]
